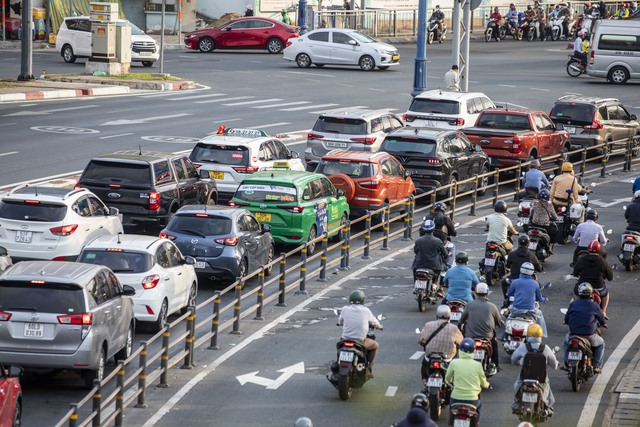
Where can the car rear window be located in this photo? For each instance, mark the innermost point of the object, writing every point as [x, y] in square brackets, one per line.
[575, 113]
[266, 193]
[42, 298]
[504, 121]
[435, 106]
[127, 174]
[32, 210]
[222, 154]
[396, 145]
[341, 125]
[352, 169]
[118, 260]
[200, 224]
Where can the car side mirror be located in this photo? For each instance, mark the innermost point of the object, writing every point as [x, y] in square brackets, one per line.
[15, 371]
[407, 174]
[477, 148]
[189, 260]
[204, 174]
[295, 155]
[559, 126]
[128, 291]
[353, 43]
[341, 192]
[114, 211]
[266, 228]
[228, 29]
[633, 117]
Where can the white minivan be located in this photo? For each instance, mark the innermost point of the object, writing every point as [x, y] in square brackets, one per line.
[74, 41]
[615, 50]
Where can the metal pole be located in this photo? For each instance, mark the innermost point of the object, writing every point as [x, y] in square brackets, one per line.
[454, 196]
[605, 154]
[120, 394]
[455, 40]
[323, 258]
[303, 270]
[282, 280]
[407, 219]
[164, 359]
[348, 243]
[343, 248]
[518, 177]
[96, 402]
[303, 17]
[260, 295]
[583, 161]
[215, 322]
[367, 236]
[420, 66]
[188, 341]
[387, 214]
[466, 22]
[26, 60]
[4, 37]
[496, 183]
[70, 7]
[179, 21]
[474, 196]
[236, 306]
[142, 376]
[164, 3]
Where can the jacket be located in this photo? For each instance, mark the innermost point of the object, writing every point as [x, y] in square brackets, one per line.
[521, 351]
[632, 215]
[467, 377]
[480, 319]
[525, 292]
[461, 281]
[583, 317]
[520, 256]
[594, 269]
[559, 188]
[542, 213]
[444, 225]
[430, 253]
[446, 341]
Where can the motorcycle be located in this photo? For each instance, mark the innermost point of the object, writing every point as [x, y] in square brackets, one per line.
[427, 288]
[516, 32]
[580, 359]
[569, 216]
[464, 415]
[539, 241]
[587, 20]
[630, 250]
[438, 390]
[576, 66]
[457, 306]
[482, 354]
[557, 29]
[531, 31]
[530, 403]
[494, 30]
[524, 212]
[433, 32]
[494, 264]
[516, 326]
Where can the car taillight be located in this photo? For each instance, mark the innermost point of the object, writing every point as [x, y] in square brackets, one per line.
[154, 201]
[4, 316]
[64, 230]
[76, 319]
[368, 141]
[230, 203]
[151, 281]
[372, 185]
[595, 124]
[516, 145]
[246, 169]
[228, 241]
[591, 57]
[31, 202]
[164, 235]
[294, 209]
[456, 122]
[408, 118]
[196, 165]
[314, 136]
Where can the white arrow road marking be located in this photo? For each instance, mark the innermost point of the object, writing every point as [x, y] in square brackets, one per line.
[40, 113]
[391, 391]
[270, 384]
[608, 205]
[417, 355]
[145, 120]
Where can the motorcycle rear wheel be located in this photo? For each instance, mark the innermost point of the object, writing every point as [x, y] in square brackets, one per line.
[422, 304]
[555, 34]
[574, 377]
[627, 264]
[487, 35]
[435, 410]
[489, 278]
[344, 387]
[573, 68]
[531, 34]
[430, 37]
[517, 34]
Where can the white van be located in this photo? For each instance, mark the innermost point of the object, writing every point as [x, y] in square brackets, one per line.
[74, 41]
[615, 50]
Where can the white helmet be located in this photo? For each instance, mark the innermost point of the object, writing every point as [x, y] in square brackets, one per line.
[482, 288]
[443, 312]
[525, 424]
[636, 195]
[527, 269]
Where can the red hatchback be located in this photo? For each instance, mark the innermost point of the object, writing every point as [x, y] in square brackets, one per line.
[243, 33]
[10, 396]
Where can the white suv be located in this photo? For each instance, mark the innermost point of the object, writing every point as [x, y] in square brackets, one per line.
[53, 223]
[446, 109]
[74, 41]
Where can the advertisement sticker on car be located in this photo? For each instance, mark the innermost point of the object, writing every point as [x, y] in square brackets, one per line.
[322, 217]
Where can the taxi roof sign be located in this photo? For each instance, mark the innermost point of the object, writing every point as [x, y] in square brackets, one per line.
[248, 133]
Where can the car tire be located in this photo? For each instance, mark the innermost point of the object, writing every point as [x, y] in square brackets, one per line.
[367, 63]
[275, 45]
[125, 351]
[148, 63]
[303, 60]
[212, 200]
[67, 54]
[618, 75]
[311, 248]
[386, 67]
[191, 301]
[206, 45]
[97, 374]
[270, 254]
[17, 414]
[161, 320]
[243, 269]
[483, 181]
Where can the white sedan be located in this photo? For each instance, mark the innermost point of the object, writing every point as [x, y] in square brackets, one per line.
[337, 46]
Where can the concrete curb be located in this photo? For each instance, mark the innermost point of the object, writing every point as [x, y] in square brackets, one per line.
[64, 93]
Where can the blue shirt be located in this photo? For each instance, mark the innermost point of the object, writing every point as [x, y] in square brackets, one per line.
[583, 317]
[461, 281]
[525, 292]
[636, 185]
[589, 231]
[535, 178]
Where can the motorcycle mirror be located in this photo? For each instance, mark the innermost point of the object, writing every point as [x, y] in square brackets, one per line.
[563, 310]
[552, 176]
[381, 317]
[424, 218]
[624, 208]
[547, 286]
[556, 349]
[593, 184]
[456, 224]
[336, 311]
[519, 224]
[418, 331]
[610, 231]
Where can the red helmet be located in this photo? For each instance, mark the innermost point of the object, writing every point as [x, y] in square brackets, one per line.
[594, 246]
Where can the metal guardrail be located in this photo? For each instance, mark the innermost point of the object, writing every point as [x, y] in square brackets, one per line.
[205, 332]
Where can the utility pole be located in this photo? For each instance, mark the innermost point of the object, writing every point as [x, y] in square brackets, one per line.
[303, 16]
[460, 43]
[26, 64]
[420, 68]
[164, 3]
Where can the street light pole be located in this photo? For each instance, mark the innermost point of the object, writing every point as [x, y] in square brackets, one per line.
[164, 3]
[26, 72]
[303, 16]
[420, 69]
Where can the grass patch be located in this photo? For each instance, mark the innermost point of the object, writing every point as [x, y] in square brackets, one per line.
[5, 85]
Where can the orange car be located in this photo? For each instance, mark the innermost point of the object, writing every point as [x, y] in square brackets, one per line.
[368, 179]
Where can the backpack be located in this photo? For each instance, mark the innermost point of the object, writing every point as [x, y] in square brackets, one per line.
[534, 365]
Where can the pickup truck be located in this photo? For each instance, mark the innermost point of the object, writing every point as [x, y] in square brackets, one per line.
[509, 136]
[147, 187]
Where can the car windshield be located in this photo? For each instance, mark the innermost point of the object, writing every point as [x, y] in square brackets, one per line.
[574, 113]
[202, 225]
[425, 147]
[221, 154]
[435, 106]
[42, 298]
[362, 38]
[266, 193]
[123, 173]
[504, 121]
[32, 210]
[352, 169]
[118, 260]
[341, 125]
[135, 31]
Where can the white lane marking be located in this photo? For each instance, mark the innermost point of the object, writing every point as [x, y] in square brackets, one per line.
[143, 120]
[353, 107]
[225, 121]
[269, 125]
[344, 84]
[284, 104]
[591, 405]
[473, 81]
[417, 355]
[35, 113]
[310, 74]
[573, 93]
[391, 391]
[377, 90]
[210, 95]
[308, 107]
[507, 85]
[538, 88]
[46, 178]
[259, 101]
[629, 395]
[210, 101]
[7, 124]
[8, 153]
[115, 136]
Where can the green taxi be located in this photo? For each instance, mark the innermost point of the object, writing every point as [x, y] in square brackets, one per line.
[299, 206]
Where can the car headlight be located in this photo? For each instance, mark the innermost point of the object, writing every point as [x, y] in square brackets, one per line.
[189, 36]
[384, 52]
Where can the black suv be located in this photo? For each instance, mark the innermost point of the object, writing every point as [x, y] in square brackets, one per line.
[436, 157]
[591, 121]
[146, 186]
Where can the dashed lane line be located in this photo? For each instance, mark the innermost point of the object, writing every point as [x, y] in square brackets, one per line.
[391, 391]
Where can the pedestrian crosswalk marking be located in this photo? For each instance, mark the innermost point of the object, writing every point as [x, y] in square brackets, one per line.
[283, 104]
[308, 107]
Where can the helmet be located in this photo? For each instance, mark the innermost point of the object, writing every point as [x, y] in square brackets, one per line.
[592, 214]
[568, 166]
[356, 297]
[593, 247]
[580, 33]
[523, 240]
[303, 422]
[527, 269]
[462, 257]
[467, 345]
[512, 5]
[495, 9]
[585, 289]
[440, 206]
[544, 194]
[416, 417]
[482, 288]
[636, 195]
[443, 312]
[525, 424]
[3, 251]
[500, 206]
[420, 400]
[529, 7]
[535, 163]
[534, 331]
[428, 226]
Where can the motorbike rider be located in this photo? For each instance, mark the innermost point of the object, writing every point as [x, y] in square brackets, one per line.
[577, 48]
[534, 180]
[566, 13]
[554, 13]
[632, 213]
[467, 377]
[515, 261]
[602, 8]
[588, 231]
[499, 226]
[623, 12]
[430, 251]
[438, 336]
[444, 225]
[534, 340]
[583, 317]
[512, 18]
[564, 182]
[594, 269]
[5, 259]
[438, 15]
[416, 417]
[460, 280]
[526, 292]
[498, 21]
[542, 20]
[530, 14]
[543, 215]
[479, 320]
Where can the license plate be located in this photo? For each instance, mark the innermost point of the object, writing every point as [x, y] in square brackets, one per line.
[570, 129]
[529, 397]
[346, 356]
[574, 355]
[264, 217]
[421, 284]
[434, 382]
[478, 355]
[533, 245]
[524, 220]
[628, 247]
[456, 315]
[461, 423]
[34, 330]
[24, 236]
[489, 262]
[145, 53]
[201, 264]
[336, 144]
[395, 58]
[281, 165]
[216, 175]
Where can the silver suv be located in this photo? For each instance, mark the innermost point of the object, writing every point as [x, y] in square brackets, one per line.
[356, 130]
[64, 315]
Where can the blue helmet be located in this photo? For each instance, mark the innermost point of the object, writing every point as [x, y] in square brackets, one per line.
[467, 345]
[544, 194]
[428, 226]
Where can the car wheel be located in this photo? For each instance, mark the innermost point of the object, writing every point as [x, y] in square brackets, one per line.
[270, 253]
[161, 321]
[367, 63]
[311, 247]
[17, 414]
[243, 269]
[206, 44]
[386, 67]
[212, 199]
[618, 75]
[338, 235]
[483, 181]
[275, 45]
[67, 54]
[303, 60]
[125, 351]
[147, 63]
[191, 301]
[97, 374]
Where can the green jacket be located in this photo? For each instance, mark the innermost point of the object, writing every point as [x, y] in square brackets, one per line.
[467, 377]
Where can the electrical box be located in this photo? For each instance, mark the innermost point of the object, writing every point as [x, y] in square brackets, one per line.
[103, 40]
[103, 12]
[123, 42]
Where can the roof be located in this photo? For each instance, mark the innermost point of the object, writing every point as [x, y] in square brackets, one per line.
[237, 137]
[623, 23]
[447, 94]
[422, 132]
[356, 113]
[136, 156]
[586, 99]
[54, 271]
[511, 110]
[45, 193]
[220, 210]
[127, 241]
[359, 156]
[283, 177]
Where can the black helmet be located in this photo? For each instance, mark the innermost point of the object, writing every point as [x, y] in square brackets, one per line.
[544, 194]
[356, 297]
[500, 206]
[303, 422]
[421, 401]
[440, 206]
[592, 214]
[462, 257]
[523, 240]
[3, 251]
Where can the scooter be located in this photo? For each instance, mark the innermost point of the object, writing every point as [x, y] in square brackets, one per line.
[516, 326]
[531, 405]
[539, 242]
[557, 29]
[482, 354]
[426, 288]
[493, 266]
[464, 415]
[438, 391]
[580, 360]
[494, 30]
[630, 250]
[457, 306]
[434, 33]
[569, 216]
[576, 66]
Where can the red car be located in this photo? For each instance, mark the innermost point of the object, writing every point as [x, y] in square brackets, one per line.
[10, 396]
[243, 33]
